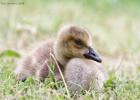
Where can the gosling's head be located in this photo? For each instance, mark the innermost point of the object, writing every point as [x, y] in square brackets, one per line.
[74, 41]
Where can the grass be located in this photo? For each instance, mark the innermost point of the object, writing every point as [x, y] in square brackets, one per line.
[114, 25]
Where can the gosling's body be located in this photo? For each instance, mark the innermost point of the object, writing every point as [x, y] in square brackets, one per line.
[84, 74]
[72, 42]
[37, 62]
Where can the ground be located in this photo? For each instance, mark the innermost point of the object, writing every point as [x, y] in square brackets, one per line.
[114, 25]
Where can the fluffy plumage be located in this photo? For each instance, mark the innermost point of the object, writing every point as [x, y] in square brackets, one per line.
[72, 42]
[84, 74]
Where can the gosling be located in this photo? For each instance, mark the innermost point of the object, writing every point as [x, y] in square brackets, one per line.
[72, 42]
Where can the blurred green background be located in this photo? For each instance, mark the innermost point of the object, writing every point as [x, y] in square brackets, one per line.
[114, 25]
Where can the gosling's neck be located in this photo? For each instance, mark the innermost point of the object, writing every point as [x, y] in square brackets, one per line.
[62, 60]
[58, 51]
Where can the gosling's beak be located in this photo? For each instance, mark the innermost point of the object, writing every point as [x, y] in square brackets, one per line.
[91, 54]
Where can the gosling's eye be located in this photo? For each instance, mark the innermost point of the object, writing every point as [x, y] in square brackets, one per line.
[78, 42]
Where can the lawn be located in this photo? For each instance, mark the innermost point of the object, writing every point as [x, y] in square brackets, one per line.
[114, 25]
